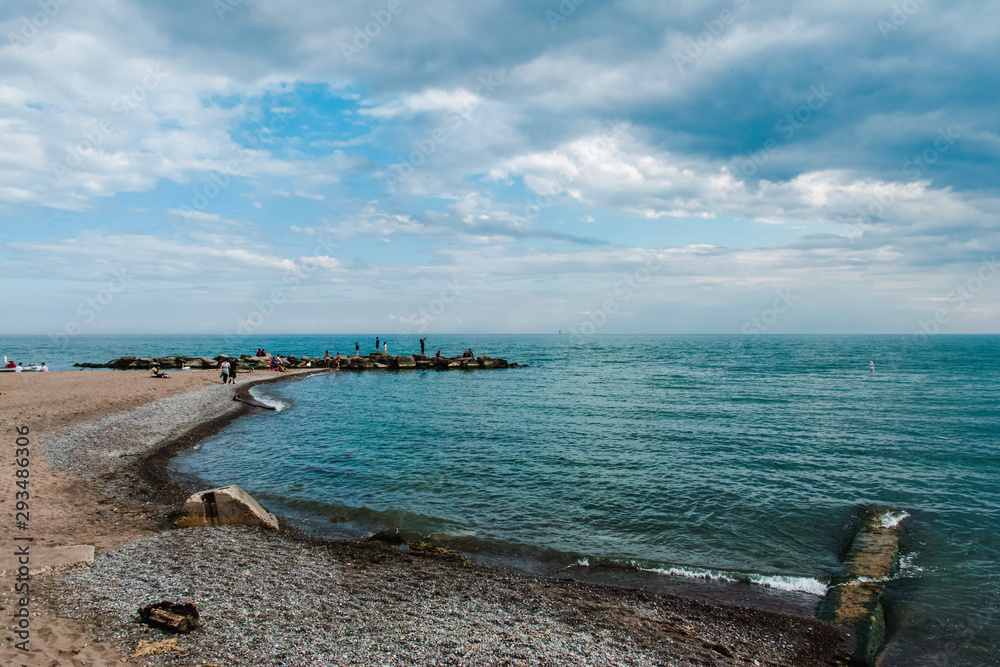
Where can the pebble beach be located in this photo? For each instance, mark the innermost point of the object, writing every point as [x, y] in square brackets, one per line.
[286, 598]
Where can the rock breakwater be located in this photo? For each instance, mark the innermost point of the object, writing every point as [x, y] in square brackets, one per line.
[353, 363]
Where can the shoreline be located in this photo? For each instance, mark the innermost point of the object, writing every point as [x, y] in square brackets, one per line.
[145, 479]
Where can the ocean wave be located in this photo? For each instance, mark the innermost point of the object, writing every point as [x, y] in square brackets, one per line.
[892, 519]
[776, 581]
[269, 401]
[907, 568]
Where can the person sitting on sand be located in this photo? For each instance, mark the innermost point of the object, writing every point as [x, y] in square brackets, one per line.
[155, 373]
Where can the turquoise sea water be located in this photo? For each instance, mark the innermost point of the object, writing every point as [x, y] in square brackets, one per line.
[729, 457]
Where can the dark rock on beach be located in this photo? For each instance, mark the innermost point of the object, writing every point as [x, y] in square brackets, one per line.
[181, 618]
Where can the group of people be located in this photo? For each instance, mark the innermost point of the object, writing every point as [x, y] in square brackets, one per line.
[18, 368]
[227, 371]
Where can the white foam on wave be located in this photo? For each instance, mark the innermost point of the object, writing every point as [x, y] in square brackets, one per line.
[278, 405]
[691, 573]
[801, 584]
[776, 581]
[907, 569]
[892, 519]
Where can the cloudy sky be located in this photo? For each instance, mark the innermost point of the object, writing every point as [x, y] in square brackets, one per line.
[401, 166]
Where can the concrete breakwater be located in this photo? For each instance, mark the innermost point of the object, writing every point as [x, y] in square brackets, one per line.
[351, 363]
[855, 602]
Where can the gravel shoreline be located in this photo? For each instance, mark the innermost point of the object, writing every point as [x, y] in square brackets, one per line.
[287, 599]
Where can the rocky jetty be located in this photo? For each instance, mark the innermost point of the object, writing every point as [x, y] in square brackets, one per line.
[353, 363]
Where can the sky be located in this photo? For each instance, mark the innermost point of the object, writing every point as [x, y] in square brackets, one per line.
[432, 166]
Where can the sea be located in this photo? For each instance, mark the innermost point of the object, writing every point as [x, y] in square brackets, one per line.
[724, 467]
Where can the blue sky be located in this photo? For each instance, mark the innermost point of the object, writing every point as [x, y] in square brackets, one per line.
[413, 166]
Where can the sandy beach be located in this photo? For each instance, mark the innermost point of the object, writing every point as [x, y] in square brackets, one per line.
[99, 445]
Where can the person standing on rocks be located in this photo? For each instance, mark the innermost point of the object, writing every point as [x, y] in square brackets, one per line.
[376, 344]
[357, 348]
[385, 348]
[422, 341]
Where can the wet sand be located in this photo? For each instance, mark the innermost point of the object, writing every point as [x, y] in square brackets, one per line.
[100, 443]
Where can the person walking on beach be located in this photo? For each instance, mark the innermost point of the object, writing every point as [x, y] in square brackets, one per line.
[224, 371]
[422, 341]
[234, 366]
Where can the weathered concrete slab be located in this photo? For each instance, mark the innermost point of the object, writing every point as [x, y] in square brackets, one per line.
[226, 506]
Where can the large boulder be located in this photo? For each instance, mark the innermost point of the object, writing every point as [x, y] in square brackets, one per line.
[406, 362]
[226, 506]
[361, 362]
